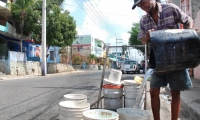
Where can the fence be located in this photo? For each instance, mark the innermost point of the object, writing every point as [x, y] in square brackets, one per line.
[115, 57]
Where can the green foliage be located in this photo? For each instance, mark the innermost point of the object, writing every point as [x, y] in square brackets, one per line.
[19, 10]
[134, 33]
[77, 60]
[124, 49]
[91, 58]
[60, 26]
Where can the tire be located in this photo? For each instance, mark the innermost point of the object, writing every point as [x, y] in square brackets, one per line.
[122, 72]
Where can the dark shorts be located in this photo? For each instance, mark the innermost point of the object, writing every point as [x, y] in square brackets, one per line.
[177, 80]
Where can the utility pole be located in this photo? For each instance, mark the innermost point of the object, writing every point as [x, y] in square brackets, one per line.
[116, 51]
[44, 64]
[116, 44]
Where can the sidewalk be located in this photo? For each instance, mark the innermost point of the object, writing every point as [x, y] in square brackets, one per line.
[12, 77]
[190, 101]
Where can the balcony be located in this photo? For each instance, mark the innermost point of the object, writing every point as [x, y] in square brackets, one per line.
[4, 10]
[3, 3]
[7, 28]
[10, 30]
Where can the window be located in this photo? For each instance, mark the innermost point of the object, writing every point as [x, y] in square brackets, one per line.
[51, 55]
[130, 62]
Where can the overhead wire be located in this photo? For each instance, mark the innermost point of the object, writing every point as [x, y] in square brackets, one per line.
[102, 17]
[80, 30]
[97, 17]
[101, 11]
[91, 17]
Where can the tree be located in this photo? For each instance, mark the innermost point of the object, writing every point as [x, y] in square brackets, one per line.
[61, 27]
[91, 58]
[32, 25]
[19, 9]
[134, 33]
[124, 49]
[124, 52]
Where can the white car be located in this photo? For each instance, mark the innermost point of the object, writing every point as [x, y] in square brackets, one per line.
[130, 66]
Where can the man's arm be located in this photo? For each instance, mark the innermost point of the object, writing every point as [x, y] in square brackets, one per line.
[189, 25]
[146, 38]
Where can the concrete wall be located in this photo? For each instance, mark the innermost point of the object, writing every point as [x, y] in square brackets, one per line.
[24, 68]
[197, 25]
[197, 72]
[58, 68]
[4, 66]
[31, 68]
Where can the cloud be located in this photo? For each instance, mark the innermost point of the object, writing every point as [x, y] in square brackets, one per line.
[70, 5]
[104, 19]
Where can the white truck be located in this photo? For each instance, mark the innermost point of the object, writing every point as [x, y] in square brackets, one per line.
[130, 66]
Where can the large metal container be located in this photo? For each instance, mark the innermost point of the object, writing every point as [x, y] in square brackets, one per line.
[112, 96]
[175, 49]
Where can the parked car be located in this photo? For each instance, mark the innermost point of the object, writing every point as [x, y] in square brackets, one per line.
[119, 64]
[130, 66]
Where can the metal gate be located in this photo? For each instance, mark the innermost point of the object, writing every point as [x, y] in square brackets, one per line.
[141, 94]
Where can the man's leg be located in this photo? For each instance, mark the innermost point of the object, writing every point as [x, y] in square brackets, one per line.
[155, 102]
[175, 105]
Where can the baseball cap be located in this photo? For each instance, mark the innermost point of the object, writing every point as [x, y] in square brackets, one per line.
[136, 2]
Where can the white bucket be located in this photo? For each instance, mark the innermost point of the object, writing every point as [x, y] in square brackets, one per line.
[130, 93]
[72, 110]
[133, 114]
[113, 103]
[100, 114]
[112, 93]
[75, 97]
[112, 96]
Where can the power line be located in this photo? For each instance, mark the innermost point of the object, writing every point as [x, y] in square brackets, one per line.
[100, 18]
[103, 17]
[90, 16]
[101, 11]
[97, 18]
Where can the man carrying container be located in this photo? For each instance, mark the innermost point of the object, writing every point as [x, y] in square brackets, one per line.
[160, 17]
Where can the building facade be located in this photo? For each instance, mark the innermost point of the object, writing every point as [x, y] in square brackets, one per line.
[87, 44]
[10, 36]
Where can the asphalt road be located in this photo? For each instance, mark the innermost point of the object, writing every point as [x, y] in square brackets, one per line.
[37, 97]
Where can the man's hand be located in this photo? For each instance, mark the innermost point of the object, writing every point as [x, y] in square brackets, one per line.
[146, 38]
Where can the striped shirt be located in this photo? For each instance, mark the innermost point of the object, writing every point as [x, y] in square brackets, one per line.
[169, 15]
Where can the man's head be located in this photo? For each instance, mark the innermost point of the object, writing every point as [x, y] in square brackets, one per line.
[145, 5]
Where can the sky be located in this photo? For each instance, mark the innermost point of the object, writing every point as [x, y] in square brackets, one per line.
[106, 20]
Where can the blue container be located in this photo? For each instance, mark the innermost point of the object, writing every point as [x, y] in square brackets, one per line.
[84, 65]
[175, 49]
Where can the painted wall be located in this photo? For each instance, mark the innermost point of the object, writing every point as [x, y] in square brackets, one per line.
[197, 25]
[87, 44]
[54, 56]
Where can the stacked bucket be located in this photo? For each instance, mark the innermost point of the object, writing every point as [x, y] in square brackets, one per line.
[100, 114]
[131, 88]
[73, 106]
[113, 91]
[133, 114]
[112, 96]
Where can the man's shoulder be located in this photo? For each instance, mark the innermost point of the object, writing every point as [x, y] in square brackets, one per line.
[144, 16]
[168, 5]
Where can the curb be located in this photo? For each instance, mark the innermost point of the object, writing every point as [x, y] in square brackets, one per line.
[12, 77]
[193, 113]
